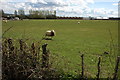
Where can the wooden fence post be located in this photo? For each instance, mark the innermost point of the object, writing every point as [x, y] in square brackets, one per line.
[98, 65]
[21, 45]
[116, 68]
[82, 73]
[45, 56]
[10, 44]
[33, 49]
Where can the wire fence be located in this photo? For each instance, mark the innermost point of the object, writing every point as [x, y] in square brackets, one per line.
[34, 61]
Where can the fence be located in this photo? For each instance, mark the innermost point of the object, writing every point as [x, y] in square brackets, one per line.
[115, 76]
[29, 59]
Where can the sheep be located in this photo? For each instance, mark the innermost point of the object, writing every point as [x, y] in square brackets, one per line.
[78, 22]
[5, 21]
[49, 34]
[106, 52]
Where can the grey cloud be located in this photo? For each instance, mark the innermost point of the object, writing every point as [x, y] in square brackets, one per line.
[41, 5]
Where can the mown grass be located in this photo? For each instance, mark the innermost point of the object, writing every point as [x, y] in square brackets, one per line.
[91, 37]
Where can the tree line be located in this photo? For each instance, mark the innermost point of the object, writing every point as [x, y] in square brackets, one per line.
[33, 14]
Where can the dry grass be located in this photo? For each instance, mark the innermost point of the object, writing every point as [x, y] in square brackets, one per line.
[21, 62]
[26, 62]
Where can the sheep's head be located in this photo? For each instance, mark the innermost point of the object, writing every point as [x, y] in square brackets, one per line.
[53, 31]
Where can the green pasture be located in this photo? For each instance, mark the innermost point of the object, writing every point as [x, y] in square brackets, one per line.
[90, 37]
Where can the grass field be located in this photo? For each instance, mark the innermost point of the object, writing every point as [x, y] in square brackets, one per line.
[91, 37]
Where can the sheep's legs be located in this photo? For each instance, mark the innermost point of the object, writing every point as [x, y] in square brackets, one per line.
[48, 37]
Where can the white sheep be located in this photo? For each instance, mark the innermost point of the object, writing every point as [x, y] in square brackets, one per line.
[49, 34]
[5, 21]
[78, 22]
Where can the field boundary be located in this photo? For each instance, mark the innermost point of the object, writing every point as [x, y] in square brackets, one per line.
[12, 55]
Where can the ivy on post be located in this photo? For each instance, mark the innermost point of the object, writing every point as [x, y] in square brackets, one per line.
[45, 56]
[10, 45]
[33, 49]
[21, 44]
[34, 54]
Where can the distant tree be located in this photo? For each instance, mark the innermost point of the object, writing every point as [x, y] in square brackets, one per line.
[50, 12]
[42, 14]
[55, 12]
[21, 13]
[31, 12]
[2, 13]
[15, 13]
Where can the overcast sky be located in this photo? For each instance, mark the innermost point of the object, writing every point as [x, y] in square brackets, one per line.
[79, 8]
